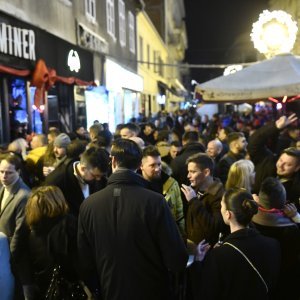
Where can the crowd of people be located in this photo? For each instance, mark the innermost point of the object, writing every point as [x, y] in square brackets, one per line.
[175, 207]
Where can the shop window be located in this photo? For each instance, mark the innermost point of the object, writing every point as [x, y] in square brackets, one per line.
[97, 105]
[18, 111]
[131, 32]
[122, 23]
[90, 10]
[110, 18]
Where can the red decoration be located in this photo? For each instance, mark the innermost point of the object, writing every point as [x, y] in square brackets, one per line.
[12, 71]
[44, 78]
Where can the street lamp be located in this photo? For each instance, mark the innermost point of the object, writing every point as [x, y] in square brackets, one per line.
[274, 33]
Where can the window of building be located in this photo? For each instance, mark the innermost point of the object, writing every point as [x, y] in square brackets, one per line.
[67, 2]
[155, 61]
[141, 58]
[110, 18]
[148, 55]
[90, 9]
[122, 23]
[161, 67]
[131, 32]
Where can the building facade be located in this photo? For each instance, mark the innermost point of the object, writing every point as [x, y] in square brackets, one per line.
[152, 55]
[162, 43]
[63, 47]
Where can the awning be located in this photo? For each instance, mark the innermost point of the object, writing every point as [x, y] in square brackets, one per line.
[275, 77]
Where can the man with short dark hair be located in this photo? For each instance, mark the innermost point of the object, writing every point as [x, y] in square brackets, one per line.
[191, 145]
[175, 150]
[13, 198]
[223, 136]
[162, 183]
[129, 130]
[237, 150]
[126, 234]
[79, 179]
[204, 194]
[286, 167]
[147, 133]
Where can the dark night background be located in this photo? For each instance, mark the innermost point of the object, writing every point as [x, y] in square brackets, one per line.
[219, 33]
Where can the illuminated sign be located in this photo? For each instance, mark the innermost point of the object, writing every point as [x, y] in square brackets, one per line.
[73, 61]
[16, 41]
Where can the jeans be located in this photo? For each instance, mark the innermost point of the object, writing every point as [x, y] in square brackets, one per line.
[7, 281]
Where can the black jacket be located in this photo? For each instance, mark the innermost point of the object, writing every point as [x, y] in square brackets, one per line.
[225, 273]
[64, 178]
[178, 164]
[204, 219]
[127, 236]
[53, 241]
[287, 233]
[225, 163]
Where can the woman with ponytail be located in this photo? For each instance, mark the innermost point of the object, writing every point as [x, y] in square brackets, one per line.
[243, 266]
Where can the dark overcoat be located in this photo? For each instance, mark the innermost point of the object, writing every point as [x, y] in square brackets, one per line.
[225, 273]
[127, 236]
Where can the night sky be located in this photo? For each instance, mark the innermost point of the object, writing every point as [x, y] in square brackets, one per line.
[219, 33]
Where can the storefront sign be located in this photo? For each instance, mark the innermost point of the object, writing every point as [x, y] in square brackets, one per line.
[90, 40]
[16, 41]
[74, 61]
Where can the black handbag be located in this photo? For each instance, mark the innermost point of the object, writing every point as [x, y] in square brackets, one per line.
[61, 288]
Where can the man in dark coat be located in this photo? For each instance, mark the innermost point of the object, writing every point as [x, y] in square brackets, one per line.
[237, 150]
[127, 235]
[79, 179]
[267, 164]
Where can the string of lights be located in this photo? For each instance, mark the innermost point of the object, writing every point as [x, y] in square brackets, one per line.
[194, 66]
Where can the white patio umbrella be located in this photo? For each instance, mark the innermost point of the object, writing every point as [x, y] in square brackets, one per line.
[275, 77]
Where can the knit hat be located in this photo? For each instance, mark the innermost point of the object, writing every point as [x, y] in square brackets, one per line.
[62, 141]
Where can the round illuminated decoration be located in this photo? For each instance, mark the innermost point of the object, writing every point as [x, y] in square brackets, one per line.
[274, 33]
[232, 69]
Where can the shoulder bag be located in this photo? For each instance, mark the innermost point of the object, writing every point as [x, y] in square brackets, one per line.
[250, 263]
[60, 288]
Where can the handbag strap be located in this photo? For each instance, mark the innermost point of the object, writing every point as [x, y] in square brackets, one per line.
[250, 263]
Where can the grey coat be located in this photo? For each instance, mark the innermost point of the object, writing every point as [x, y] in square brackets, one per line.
[12, 217]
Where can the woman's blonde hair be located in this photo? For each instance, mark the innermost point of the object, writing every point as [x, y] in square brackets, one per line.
[241, 175]
[45, 202]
